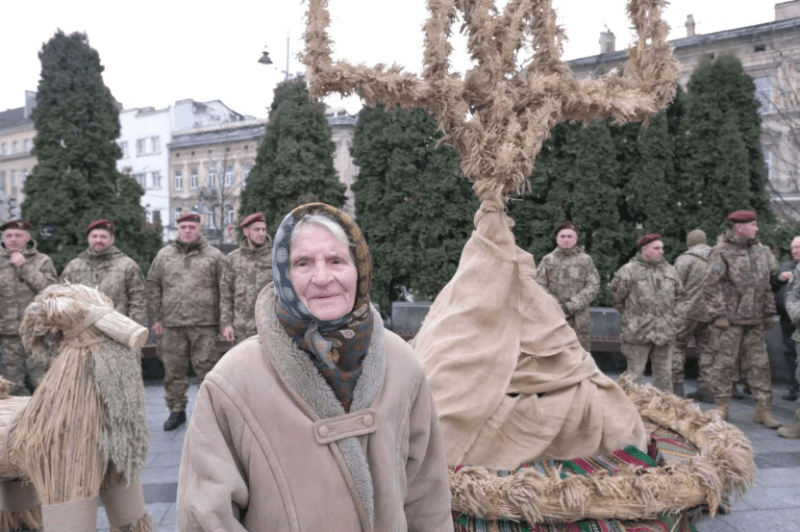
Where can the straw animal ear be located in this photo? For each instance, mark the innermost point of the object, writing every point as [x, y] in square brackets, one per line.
[499, 114]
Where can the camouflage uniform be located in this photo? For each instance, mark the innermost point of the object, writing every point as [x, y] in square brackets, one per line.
[789, 348]
[690, 267]
[736, 287]
[18, 287]
[248, 270]
[645, 293]
[569, 275]
[793, 311]
[116, 275]
[183, 294]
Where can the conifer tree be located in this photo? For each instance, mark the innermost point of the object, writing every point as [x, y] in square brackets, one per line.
[414, 206]
[294, 164]
[75, 179]
[721, 163]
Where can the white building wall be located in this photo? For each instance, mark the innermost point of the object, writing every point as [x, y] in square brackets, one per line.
[144, 136]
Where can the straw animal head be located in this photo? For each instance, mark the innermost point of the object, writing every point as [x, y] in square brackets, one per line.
[499, 114]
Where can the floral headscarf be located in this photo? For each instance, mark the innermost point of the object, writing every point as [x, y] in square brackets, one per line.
[338, 346]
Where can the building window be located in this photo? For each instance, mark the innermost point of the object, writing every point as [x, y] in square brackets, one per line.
[141, 147]
[3, 180]
[245, 172]
[141, 179]
[28, 145]
[178, 211]
[211, 219]
[767, 161]
[13, 178]
[23, 176]
[124, 147]
[3, 149]
[178, 180]
[228, 214]
[14, 148]
[155, 179]
[155, 144]
[229, 175]
[193, 178]
[760, 48]
[211, 178]
[762, 94]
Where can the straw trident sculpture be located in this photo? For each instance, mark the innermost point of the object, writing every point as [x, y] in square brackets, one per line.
[498, 115]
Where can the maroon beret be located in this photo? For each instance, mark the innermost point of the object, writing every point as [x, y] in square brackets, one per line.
[189, 217]
[252, 218]
[742, 217]
[108, 225]
[15, 224]
[566, 225]
[646, 239]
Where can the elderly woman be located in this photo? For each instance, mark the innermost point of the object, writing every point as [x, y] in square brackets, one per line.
[324, 421]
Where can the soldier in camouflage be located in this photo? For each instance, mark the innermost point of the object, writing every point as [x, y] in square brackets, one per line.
[183, 306]
[779, 281]
[793, 311]
[249, 269]
[105, 267]
[741, 307]
[24, 272]
[644, 291]
[691, 267]
[569, 275]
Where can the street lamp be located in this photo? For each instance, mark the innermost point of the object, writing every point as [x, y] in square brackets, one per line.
[264, 59]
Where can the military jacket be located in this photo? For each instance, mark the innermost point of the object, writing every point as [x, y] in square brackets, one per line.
[249, 269]
[736, 284]
[183, 284]
[691, 268]
[792, 301]
[645, 293]
[569, 275]
[18, 286]
[116, 275]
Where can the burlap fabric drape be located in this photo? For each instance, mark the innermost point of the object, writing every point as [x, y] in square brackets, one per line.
[511, 382]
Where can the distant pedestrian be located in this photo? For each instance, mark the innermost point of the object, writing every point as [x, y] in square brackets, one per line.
[693, 325]
[24, 272]
[249, 269]
[183, 306]
[105, 267]
[644, 291]
[569, 275]
[780, 282]
[741, 307]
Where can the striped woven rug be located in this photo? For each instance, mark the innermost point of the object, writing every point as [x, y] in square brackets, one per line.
[665, 446]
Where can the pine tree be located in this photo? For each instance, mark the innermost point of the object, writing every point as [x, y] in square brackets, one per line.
[75, 180]
[414, 206]
[294, 164]
[721, 162]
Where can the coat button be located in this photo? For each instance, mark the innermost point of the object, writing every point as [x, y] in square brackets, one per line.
[324, 430]
[367, 420]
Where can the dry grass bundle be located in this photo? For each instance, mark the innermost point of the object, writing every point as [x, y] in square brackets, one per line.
[498, 116]
[723, 466]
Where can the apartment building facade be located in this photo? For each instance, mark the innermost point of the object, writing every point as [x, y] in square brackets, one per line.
[17, 133]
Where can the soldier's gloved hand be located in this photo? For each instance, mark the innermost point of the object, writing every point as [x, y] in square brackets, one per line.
[768, 323]
[566, 311]
[722, 323]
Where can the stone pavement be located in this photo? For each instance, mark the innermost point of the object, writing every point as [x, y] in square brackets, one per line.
[772, 504]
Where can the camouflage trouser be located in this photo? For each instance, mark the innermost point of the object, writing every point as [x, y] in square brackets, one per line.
[745, 342]
[179, 345]
[240, 335]
[16, 363]
[582, 324]
[701, 333]
[660, 362]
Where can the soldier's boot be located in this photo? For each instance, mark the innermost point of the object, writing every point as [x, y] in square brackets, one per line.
[677, 389]
[722, 408]
[790, 431]
[764, 416]
[703, 395]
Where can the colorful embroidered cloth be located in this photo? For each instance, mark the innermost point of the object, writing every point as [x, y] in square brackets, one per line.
[665, 446]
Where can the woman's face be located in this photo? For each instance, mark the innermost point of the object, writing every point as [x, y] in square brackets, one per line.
[322, 272]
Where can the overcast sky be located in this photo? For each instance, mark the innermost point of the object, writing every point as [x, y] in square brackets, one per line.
[157, 52]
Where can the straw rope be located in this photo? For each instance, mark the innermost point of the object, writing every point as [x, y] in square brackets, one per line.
[499, 115]
[723, 466]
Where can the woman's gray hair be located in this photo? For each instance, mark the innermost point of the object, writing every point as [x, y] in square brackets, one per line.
[326, 222]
